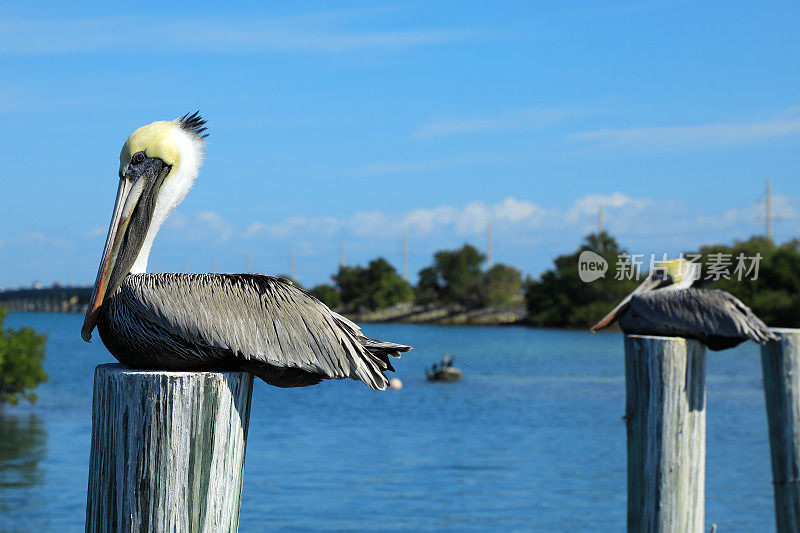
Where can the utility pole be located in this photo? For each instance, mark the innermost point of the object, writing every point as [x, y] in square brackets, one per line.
[405, 254]
[489, 243]
[343, 260]
[214, 266]
[250, 263]
[600, 218]
[293, 271]
[768, 206]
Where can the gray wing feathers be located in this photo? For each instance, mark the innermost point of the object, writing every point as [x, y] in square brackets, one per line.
[700, 313]
[258, 318]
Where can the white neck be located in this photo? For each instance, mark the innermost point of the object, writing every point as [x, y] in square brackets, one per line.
[174, 189]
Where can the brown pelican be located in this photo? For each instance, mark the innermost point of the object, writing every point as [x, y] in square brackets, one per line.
[669, 303]
[260, 324]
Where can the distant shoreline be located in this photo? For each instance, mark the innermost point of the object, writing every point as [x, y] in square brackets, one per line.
[444, 314]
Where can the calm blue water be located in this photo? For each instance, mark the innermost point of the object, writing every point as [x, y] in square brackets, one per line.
[531, 439]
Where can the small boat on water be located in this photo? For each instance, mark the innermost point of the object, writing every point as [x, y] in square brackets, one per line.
[444, 370]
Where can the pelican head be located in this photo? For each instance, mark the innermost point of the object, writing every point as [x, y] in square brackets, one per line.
[678, 273]
[673, 274]
[157, 166]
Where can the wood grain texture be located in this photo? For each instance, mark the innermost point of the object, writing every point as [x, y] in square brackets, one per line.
[780, 362]
[167, 450]
[666, 428]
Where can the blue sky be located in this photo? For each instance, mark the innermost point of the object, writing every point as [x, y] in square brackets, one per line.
[356, 121]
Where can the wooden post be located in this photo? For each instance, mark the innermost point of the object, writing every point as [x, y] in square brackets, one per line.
[666, 425]
[780, 362]
[167, 450]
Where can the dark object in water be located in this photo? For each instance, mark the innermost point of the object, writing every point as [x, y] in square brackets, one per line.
[444, 370]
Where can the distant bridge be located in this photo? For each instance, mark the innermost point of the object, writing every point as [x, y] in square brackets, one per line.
[51, 300]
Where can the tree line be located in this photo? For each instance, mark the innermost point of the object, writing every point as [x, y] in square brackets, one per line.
[455, 277]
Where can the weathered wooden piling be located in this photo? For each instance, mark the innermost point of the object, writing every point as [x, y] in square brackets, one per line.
[780, 363]
[666, 426]
[167, 450]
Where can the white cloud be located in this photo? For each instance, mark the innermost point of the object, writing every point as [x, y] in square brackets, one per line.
[515, 210]
[319, 226]
[783, 210]
[254, 230]
[423, 221]
[216, 226]
[466, 221]
[38, 239]
[366, 223]
[95, 232]
[532, 118]
[330, 32]
[379, 168]
[205, 227]
[472, 219]
[672, 138]
[589, 205]
[10, 102]
[514, 219]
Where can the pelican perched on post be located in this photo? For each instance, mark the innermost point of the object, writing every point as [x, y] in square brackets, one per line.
[668, 303]
[260, 324]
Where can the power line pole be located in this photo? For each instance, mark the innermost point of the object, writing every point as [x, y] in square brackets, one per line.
[489, 243]
[768, 206]
[405, 254]
[600, 218]
[214, 265]
[293, 271]
[343, 260]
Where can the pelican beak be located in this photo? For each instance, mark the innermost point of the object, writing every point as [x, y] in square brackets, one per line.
[648, 284]
[127, 197]
[133, 212]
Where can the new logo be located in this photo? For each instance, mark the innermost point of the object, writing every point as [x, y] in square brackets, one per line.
[591, 266]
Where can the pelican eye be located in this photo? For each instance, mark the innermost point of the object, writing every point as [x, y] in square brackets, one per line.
[137, 158]
[660, 274]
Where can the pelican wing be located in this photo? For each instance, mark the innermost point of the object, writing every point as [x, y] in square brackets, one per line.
[698, 313]
[260, 320]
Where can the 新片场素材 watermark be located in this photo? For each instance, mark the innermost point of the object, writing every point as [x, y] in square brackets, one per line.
[593, 266]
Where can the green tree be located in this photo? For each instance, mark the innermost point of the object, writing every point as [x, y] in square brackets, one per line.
[21, 370]
[327, 294]
[374, 287]
[428, 289]
[353, 284]
[453, 277]
[560, 299]
[500, 285]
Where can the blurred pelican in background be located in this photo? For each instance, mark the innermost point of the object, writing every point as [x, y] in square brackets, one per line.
[669, 303]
